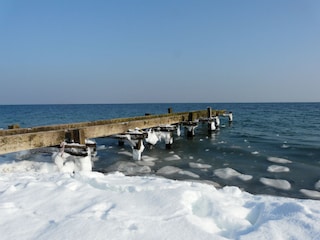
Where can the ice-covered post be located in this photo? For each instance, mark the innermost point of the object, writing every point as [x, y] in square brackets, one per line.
[137, 150]
[191, 125]
[230, 116]
[190, 129]
[152, 137]
[217, 120]
[168, 139]
[135, 139]
[211, 125]
[178, 130]
[85, 162]
[211, 122]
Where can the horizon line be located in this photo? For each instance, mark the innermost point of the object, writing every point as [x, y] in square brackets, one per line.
[127, 103]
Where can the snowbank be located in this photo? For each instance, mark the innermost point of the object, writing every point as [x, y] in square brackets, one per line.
[90, 205]
[43, 200]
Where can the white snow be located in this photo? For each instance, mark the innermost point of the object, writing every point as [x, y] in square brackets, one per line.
[166, 136]
[278, 160]
[199, 165]
[37, 201]
[68, 163]
[227, 173]
[277, 168]
[169, 170]
[174, 157]
[152, 137]
[311, 193]
[129, 168]
[276, 183]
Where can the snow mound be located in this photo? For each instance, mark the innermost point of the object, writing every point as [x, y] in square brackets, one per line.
[91, 205]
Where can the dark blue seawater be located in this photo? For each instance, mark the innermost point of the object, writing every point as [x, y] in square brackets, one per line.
[261, 136]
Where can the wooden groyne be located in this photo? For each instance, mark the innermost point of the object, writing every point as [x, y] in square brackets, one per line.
[18, 139]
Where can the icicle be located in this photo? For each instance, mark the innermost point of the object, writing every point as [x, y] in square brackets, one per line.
[152, 137]
[62, 146]
[178, 131]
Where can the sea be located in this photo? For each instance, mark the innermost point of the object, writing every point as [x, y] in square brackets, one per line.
[268, 148]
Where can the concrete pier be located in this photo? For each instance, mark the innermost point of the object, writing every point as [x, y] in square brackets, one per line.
[18, 139]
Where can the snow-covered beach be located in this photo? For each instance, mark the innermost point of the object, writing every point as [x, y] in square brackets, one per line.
[247, 168]
[37, 201]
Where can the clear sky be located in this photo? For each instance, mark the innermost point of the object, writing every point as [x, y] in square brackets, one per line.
[131, 51]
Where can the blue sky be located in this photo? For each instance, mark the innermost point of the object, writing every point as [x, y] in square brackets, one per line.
[132, 51]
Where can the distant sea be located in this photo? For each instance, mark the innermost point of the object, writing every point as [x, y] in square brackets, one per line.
[269, 148]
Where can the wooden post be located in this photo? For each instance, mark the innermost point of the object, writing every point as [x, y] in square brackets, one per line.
[80, 136]
[120, 143]
[75, 136]
[191, 117]
[209, 112]
[14, 126]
